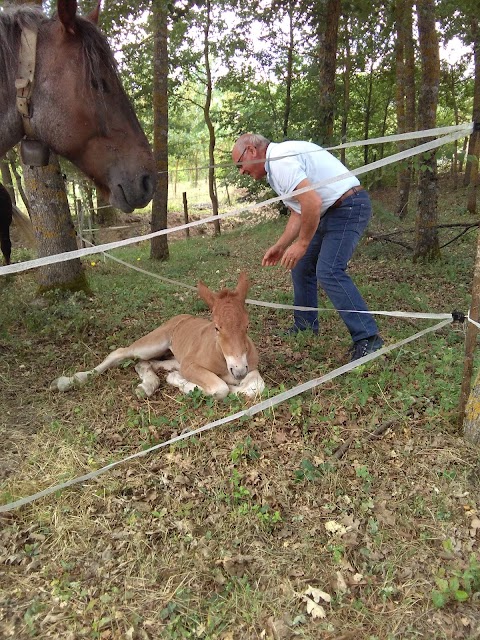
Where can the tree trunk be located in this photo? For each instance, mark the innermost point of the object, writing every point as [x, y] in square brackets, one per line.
[404, 92]
[159, 245]
[472, 187]
[426, 233]
[471, 423]
[7, 179]
[289, 76]
[472, 145]
[347, 70]
[327, 63]
[469, 398]
[53, 227]
[107, 216]
[212, 187]
[11, 155]
[368, 113]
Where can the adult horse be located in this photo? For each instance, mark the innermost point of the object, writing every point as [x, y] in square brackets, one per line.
[216, 356]
[59, 85]
[6, 215]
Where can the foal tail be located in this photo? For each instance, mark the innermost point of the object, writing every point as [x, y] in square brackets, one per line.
[24, 225]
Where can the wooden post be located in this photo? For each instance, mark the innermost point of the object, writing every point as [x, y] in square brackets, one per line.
[185, 213]
[470, 338]
[80, 221]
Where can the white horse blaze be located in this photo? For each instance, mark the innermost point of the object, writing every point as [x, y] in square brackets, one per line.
[203, 357]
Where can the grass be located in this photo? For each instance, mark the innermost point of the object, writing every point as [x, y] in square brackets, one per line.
[222, 535]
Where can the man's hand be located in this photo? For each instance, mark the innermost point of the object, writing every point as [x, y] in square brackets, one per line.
[293, 254]
[272, 256]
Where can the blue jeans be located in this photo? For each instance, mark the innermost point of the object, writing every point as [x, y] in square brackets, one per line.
[326, 260]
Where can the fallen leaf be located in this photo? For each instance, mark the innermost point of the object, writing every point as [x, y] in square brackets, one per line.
[317, 594]
[474, 527]
[339, 585]
[335, 527]
[315, 610]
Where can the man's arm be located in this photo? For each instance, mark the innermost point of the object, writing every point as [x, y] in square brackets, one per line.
[311, 206]
[292, 229]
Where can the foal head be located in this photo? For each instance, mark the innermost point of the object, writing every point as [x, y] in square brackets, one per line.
[80, 109]
[231, 323]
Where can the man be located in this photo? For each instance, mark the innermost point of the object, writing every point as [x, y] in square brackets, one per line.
[323, 229]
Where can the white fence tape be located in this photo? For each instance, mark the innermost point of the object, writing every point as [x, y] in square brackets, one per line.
[278, 305]
[79, 253]
[261, 406]
[466, 129]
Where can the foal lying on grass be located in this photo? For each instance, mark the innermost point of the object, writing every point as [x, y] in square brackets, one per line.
[216, 356]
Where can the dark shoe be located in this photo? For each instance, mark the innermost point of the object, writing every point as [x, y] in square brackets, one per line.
[364, 347]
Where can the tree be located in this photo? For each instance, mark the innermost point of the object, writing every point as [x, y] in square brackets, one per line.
[212, 187]
[53, 226]
[471, 169]
[327, 32]
[405, 96]
[159, 245]
[426, 233]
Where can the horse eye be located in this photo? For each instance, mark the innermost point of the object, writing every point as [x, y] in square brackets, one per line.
[217, 329]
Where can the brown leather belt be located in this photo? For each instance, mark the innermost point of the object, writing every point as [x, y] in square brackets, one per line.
[351, 192]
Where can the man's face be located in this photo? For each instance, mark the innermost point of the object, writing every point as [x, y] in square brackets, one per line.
[250, 161]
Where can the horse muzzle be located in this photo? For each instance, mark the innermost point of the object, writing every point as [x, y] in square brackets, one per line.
[128, 194]
[238, 371]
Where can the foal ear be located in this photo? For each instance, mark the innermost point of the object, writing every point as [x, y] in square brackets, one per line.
[67, 11]
[205, 294]
[243, 285]
[93, 15]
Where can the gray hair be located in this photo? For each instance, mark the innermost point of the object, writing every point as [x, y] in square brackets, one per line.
[254, 140]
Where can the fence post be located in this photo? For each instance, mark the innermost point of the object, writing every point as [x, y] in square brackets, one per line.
[185, 213]
[79, 208]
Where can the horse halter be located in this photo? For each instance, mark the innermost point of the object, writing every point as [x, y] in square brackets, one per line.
[33, 152]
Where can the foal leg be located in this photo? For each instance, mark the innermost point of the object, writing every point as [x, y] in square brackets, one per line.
[153, 345]
[166, 365]
[252, 385]
[191, 376]
[150, 381]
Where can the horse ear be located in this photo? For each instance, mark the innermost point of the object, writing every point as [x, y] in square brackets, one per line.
[93, 15]
[67, 11]
[243, 285]
[205, 294]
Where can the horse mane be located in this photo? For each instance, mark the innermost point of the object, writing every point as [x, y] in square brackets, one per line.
[12, 20]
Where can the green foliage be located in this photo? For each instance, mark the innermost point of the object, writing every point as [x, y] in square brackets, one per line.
[457, 587]
[310, 472]
[246, 449]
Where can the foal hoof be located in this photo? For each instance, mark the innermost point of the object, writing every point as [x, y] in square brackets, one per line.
[141, 393]
[62, 384]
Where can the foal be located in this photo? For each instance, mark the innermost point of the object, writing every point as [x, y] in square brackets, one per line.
[216, 356]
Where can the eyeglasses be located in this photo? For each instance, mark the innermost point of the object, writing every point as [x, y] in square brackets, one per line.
[239, 161]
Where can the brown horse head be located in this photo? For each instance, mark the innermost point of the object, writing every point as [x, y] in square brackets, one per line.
[231, 323]
[80, 109]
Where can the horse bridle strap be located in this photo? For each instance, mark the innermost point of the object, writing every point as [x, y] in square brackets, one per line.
[33, 151]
